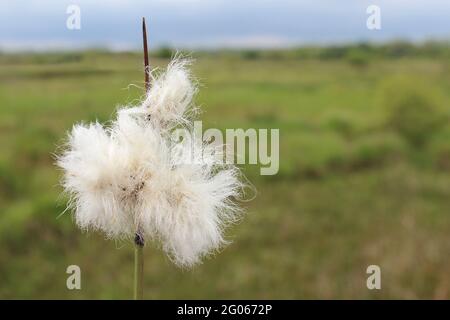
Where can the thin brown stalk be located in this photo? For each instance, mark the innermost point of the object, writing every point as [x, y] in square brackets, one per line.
[139, 239]
[146, 64]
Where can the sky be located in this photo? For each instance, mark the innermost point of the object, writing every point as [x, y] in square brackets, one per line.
[115, 24]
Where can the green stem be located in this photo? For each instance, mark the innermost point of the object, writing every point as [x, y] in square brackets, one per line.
[138, 268]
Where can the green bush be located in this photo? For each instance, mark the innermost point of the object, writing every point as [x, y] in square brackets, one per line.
[251, 54]
[399, 49]
[412, 108]
[357, 58]
[164, 53]
[333, 52]
[439, 149]
[375, 149]
[341, 125]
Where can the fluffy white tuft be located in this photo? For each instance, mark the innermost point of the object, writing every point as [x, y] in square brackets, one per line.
[169, 99]
[131, 177]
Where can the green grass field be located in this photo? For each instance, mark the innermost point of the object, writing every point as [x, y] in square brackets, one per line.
[351, 191]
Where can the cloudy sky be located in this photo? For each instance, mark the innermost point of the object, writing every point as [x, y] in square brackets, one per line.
[115, 24]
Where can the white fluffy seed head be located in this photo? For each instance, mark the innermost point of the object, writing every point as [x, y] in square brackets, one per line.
[131, 177]
[94, 181]
[168, 102]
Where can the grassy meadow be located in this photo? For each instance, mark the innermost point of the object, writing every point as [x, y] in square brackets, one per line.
[364, 176]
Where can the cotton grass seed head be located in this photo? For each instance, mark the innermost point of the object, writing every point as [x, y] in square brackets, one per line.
[168, 103]
[132, 177]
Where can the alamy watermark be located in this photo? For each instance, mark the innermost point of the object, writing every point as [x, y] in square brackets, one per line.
[73, 281]
[73, 21]
[374, 278]
[250, 146]
[373, 22]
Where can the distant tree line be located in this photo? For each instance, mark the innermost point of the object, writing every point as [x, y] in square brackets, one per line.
[356, 53]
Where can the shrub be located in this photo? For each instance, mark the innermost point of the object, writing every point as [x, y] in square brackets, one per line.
[399, 49]
[251, 54]
[164, 53]
[357, 58]
[341, 125]
[412, 108]
[333, 52]
[439, 149]
[374, 149]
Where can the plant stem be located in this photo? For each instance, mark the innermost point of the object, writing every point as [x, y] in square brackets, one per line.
[146, 64]
[138, 267]
[138, 239]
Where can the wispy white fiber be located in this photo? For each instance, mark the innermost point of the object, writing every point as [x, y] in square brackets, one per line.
[169, 101]
[131, 177]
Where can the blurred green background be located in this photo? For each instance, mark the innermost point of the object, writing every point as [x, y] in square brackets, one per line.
[364, 173]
